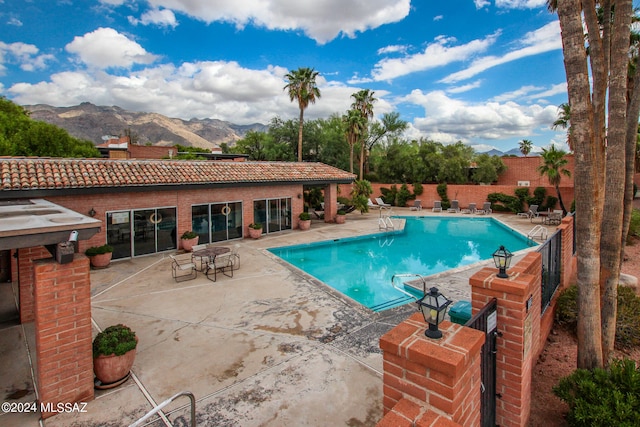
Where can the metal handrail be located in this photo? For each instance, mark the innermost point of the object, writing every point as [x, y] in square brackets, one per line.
[165, 403]
[424, 284]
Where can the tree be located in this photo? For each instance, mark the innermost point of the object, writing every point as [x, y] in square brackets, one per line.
[487, 169]
[601, 174]
[356, 124]
[389, 126]
[360, 195]
[363, 102]
[302, 87]
[564, 121]
[525, 147]
[553, 163]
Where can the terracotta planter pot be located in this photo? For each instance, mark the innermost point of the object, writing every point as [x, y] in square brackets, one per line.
[304, 225]
[109, 369]
[101, 260]
[255, 233]
[340, 219]
[188, 244]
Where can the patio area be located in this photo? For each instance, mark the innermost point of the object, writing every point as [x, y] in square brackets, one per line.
[269, 347]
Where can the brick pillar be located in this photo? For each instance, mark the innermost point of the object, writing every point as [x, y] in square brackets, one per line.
[26, 256]
[63, 331]
[519, 300]
[441, 376]
[330, 202]
[567, 273]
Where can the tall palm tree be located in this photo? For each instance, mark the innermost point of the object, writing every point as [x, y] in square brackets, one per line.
[302, 87]
[564, 121]
[356, 124]
[525, 147]
[553, 163]
[363, 102]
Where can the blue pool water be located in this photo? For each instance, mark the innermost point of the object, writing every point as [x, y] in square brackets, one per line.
[362, 267]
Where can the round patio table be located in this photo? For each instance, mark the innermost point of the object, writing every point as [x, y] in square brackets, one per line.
[211, 254]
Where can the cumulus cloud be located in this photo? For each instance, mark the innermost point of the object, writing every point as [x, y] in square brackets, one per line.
[466, 121]
[542, 40]
[481, 3]
[105, 48]
[321, 20]
[158, 17]
[27, 56]
[437, 54]
[15, 22]
[520, 4]
[396, 48]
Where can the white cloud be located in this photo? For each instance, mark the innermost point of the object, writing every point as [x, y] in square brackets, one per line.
[321, 20]
[542, 40]
[465, 88]
[392, 49]
[105, 48]
[465, 121]
[113, 2]
[520, 4]
[15, 22]
[481, 3]
[159, 17]
[516, 94]
[438, 18]
[436, 54]
[25, 55]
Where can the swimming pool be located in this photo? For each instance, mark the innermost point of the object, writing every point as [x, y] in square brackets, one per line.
[361, 267]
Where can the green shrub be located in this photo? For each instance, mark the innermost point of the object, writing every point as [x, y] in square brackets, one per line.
[539, 194]
[603, 397]
[403, 195]
[188, 235]
[522, 193]
[116, 339]
[501, 202]
[551, 203]
[627, 321]
[634, 224]
[304, 216]
[417, 189]
[98, 250]
[442, 192]
[389, 194]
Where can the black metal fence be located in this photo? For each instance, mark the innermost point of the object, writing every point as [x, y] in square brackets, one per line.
[551, 252]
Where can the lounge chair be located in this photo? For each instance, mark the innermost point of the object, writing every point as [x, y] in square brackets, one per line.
[554, 218]
[222, 263]
[182, 267]
[455, 207]
[370, 204]
[486, 209]
[471, 209]
[531, 213]
[199, 261]
[417, 205]
[381, 203]
[437, 206]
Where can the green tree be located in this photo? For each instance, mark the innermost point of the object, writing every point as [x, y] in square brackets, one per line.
[355, 125]
[363, 102]
[488, 168]
[302, 88]
[525, 147]
[254, 144]
[360, 195]
[553, 167]
[564, 121]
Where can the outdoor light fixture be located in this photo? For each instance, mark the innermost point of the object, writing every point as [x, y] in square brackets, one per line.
[433, 307]
[92, 212]
[502, 259]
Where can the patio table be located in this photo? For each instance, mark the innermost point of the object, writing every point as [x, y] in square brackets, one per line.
[211, 253]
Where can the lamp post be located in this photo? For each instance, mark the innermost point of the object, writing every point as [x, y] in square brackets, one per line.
[502, 260]
[433, 307]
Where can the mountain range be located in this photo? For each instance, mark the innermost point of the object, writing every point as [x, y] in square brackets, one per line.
[97, 123]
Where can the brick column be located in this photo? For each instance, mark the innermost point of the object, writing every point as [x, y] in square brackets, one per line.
[330, 202]
[518, 320]
[441, 376]
[63, 331]
[26, 257]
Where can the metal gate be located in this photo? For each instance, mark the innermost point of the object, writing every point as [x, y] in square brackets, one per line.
[486, 321]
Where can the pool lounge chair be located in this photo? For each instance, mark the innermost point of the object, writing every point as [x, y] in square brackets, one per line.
[437, 206]
[381, 203]
[455, 207]
[486, 209]
[417, 205]
[370, 204]
[182, 267]
[531, 213]
[470, 210]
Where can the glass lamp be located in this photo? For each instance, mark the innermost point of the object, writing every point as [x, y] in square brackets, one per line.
[433, 307]
[502, 260]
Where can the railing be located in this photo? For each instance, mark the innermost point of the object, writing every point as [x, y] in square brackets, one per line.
[159, 407]
[551, 252]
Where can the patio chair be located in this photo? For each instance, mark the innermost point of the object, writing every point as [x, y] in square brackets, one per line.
[220, 264]
[437, 206]
[199, 261]
[370, 204]
[182, 267]
[417, 205]
[470, 210]
[554, 218]
[455, 207]
[486, 209]
[532, 212]
[381, 203]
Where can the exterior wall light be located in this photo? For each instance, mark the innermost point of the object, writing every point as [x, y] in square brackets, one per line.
[502, 259]
[92, 212]
[433, 307]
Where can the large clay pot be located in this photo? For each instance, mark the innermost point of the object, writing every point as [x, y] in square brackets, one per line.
[255, 233]
[109, 369]
[340, 219]
[188, 244]
[101, 260]
[304, 224]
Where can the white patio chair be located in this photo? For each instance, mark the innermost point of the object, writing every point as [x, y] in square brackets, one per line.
[182, 267]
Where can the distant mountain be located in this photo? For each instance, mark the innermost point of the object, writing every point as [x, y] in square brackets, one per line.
[494, 152]
[512, 152]
[92, 122]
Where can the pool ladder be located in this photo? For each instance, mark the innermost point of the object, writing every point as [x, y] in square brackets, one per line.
[539, 231]
[400, 287]
[159, 407]
[385, 222]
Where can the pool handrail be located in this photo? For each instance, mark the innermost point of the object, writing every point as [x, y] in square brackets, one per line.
[424, 284]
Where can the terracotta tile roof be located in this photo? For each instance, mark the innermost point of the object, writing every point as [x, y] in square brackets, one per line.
[36, 173]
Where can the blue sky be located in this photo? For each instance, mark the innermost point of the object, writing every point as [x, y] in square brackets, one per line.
[486, 72]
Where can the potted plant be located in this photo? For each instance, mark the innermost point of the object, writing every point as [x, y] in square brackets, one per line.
[100, 256]
[114, 351]
[189, 239]
[341, 217]
[304, 221]
[255, 230]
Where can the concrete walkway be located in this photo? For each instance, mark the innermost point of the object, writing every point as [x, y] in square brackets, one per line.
[269, 347]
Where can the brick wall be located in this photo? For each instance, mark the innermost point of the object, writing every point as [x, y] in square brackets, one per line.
[24, 264]
[64, 360]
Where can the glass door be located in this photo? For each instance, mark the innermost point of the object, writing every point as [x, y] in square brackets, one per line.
[119, 233]
[144, 232]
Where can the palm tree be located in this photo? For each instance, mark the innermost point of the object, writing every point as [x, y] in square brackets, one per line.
[553, 163]
[356, 124]
[525, 147]
[363, 102]
[302, 87]
[564, 121]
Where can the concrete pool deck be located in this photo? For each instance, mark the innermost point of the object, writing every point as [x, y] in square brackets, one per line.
[269, 347]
